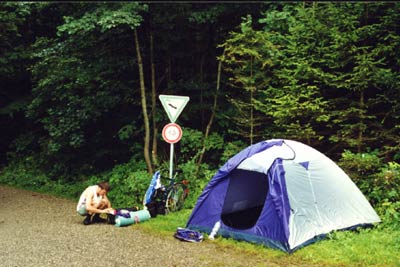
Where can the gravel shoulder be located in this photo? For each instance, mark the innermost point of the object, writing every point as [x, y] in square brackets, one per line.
[42, 230]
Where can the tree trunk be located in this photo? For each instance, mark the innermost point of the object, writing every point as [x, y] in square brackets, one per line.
[361, 128]
[214, 108]
[144, 106]
[201, 90]
[360, 136]
[153, 102]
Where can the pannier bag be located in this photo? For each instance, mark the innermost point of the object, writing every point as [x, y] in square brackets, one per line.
[188, 235]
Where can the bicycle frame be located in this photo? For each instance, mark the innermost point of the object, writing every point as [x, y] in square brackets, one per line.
[171, 196]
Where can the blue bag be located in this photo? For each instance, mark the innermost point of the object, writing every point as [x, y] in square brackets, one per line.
[155, 182]
[188, 235]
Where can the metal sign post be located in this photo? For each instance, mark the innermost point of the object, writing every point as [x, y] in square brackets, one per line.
[171, 132]
[171, 160]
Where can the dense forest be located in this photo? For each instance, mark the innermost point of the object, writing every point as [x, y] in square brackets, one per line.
[80, 85]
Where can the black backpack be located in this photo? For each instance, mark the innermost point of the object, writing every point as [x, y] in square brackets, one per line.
[152, 208]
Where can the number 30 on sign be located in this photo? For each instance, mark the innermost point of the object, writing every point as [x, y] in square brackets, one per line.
[172, 133]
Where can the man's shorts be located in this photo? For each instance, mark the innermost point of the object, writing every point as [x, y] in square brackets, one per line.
[82, 210]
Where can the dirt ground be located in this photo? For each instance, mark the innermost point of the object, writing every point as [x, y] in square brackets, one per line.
[40, 230]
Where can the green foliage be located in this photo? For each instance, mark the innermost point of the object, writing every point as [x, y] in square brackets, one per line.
[387, 192]
[64, 103]
[12, 18]
[21, 144]
[360, 166]
[192, 143]
[214, 142]
[361, 61]
[294, 99]
[77, 94]
[15, 106]
[126, 132]
[25, 173]
[207, 14]
[105, 17]
[323, 73]
[231, 149]
[387, 183]
[380, 182]
[248, 57]
[196, 183]
[129, 183]
[390, 214]
[328, 75]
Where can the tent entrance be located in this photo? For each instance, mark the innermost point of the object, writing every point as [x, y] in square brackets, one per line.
[245, 198]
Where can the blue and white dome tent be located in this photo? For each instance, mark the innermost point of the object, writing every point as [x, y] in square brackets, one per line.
[283, 194]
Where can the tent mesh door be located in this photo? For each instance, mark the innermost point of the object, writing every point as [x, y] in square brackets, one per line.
[245, 198]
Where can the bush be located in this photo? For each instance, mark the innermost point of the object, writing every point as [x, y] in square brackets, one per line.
[379, 182]
[390, 214]
[386, 184]
[129, 183]
[231, 149]
[196, 183]
[361, 167]
[24, 173]
[386, 191]
[191, 146]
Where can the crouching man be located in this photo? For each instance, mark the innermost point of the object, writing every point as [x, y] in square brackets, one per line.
[93, 201]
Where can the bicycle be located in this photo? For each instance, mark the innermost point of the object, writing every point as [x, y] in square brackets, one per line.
[168, 198]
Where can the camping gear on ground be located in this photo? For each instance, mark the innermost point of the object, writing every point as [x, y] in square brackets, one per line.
[215, 230]
[124, 212]
[188, 235]
[155, 184]
[157, 206]
[134, 217]
[154, 200]
[152, 207]
[160, 199]
[280, 193]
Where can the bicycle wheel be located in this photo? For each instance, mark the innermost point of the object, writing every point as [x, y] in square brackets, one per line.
[175, 198]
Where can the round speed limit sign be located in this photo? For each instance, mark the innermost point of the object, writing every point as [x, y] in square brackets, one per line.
[172, 133]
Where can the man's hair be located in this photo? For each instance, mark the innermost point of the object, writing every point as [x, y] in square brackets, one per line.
[105, 186]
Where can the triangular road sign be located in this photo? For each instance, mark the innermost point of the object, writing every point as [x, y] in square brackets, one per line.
[173, 105]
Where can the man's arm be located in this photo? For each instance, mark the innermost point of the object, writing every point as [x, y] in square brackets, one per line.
[90, 207]
[108, 203]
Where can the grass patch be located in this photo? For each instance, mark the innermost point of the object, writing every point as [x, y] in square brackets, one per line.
[166, 224]
[377, 247]
[368, 247]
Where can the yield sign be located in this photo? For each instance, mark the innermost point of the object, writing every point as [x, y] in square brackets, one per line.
[173, 105]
